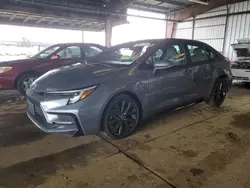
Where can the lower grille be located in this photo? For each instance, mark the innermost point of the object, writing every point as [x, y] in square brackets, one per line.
[37, 111]
[39, 115]
[241, 66]
[240, 78]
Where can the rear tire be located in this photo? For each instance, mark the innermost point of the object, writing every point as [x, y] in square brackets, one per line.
[121, 116]
[219, 93]
[24, 82]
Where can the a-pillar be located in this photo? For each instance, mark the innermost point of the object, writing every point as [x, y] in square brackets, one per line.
[108, 32]
[170, 29]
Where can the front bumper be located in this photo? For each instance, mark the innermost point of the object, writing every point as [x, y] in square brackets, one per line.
[6, 83]
[241, 75]
[53, 115]
[70, 130]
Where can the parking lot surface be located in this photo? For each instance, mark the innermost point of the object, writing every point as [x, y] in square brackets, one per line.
[196, 146]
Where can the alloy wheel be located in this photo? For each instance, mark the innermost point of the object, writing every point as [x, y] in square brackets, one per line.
[27, 82]
[220, 92]
[122, 117]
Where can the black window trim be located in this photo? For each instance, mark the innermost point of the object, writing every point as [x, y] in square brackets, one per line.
[163, 45]
[199, 44]
[102, 48]
[218, 55]
[71, 45]
[62, 47]
[181, 45]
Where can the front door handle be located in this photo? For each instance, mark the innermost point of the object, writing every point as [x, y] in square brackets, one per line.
[188, 71]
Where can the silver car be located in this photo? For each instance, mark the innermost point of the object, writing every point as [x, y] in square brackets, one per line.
[116, 89]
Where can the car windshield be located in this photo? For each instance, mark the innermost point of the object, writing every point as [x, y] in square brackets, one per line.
[46, 52]
[124, 54]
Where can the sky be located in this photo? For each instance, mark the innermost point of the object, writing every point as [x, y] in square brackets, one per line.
[136, 29]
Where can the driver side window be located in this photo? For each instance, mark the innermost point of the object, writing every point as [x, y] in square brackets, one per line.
[70, 52]
[174, 54]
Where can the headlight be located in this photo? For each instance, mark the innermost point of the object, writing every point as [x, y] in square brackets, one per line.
[74, 96]
[5, 69]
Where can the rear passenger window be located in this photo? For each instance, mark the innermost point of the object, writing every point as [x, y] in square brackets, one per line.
[91, 51]
[197, 53]
[212, 54]
[70, 52]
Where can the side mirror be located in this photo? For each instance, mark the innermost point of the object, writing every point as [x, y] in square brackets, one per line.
[161, 65]
[55, 57]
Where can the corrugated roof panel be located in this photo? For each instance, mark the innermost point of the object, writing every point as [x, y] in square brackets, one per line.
[238, 28]
[210, 22]
[27, 19]
[204, 33]
[210, 14]
[184, 25]
[149, 2]
[239, 7]
[216, 44]
[221, 8]
[183, 33]
[167, 5]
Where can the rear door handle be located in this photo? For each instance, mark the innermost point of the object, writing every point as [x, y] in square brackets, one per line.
[188, 71]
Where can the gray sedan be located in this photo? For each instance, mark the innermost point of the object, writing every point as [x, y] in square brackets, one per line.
[116, 89]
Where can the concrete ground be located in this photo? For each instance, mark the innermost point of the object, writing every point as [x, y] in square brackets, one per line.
[197, 146]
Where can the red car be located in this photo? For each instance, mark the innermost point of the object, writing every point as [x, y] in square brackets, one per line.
[19, 74]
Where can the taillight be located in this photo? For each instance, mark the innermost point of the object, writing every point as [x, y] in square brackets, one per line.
[230, 62]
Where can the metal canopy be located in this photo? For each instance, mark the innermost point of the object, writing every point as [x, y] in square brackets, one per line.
[161, 6]
[80, 14]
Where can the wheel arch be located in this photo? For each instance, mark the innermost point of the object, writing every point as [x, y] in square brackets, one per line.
[24, 73]
[129, 93]
[222, 76]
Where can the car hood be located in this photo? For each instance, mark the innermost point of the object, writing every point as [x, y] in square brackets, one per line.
[10, 63]
[76, 76]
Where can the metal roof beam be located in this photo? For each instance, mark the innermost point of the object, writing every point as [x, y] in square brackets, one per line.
[172, 2]
[57, 11]
[13, 17]
[32, 23]
[89, 15]
[147, 9]
[76, 23]
[27, 19]
[197, 9]
[53, 21]
[120, 5]
[148, 6]
[40, 20]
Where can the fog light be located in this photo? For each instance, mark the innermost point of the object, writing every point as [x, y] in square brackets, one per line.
[64, 119]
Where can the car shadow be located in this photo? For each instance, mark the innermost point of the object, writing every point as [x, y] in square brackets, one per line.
[16, 129]
[160, 118]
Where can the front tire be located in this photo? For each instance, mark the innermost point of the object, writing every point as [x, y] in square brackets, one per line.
[121, 116]
[219, 93]
[24, 82]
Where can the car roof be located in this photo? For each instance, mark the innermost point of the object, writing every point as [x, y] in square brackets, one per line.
[157, 40]
[76, 43]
